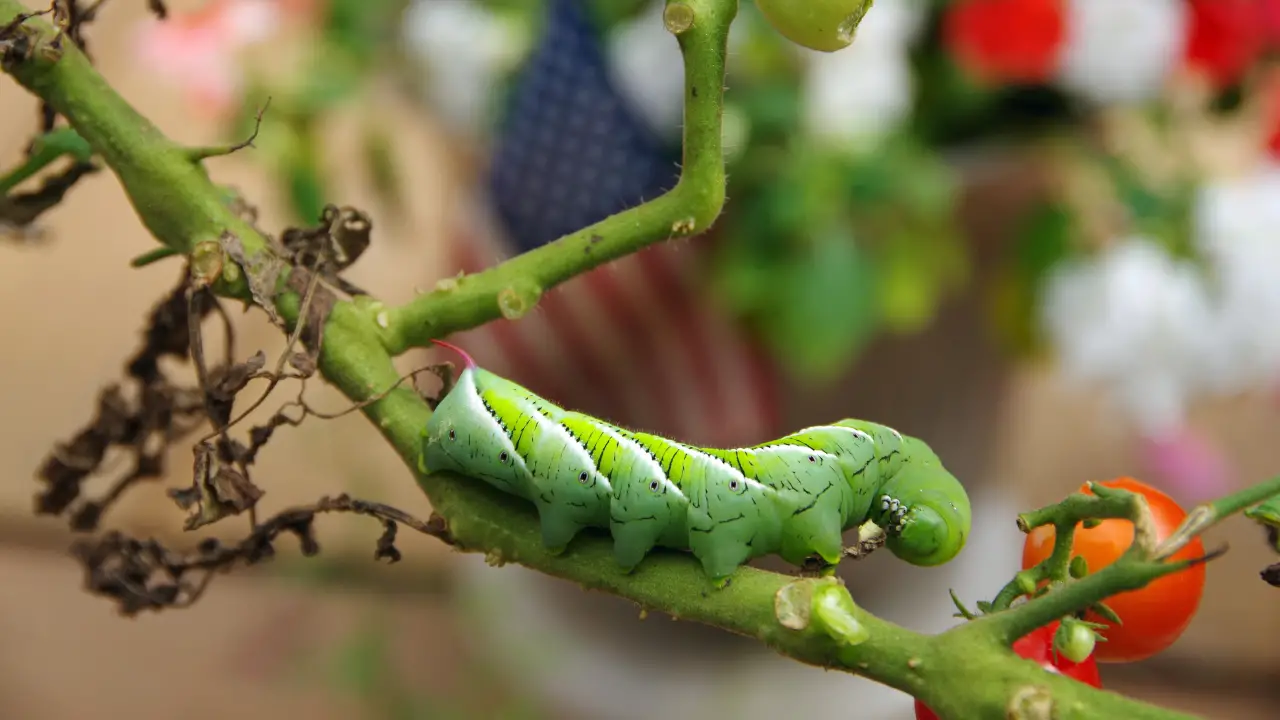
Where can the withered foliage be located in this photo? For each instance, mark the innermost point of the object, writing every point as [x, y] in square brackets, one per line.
[332, 246]
[1271, 574]
[22, 209]
[144, 426]
[142, 417]
[144, 575]
[144, 421]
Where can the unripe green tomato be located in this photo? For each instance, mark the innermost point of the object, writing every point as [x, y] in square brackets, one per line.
[1075, 641]
[826, 25]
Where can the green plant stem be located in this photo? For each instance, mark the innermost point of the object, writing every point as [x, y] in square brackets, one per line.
[1143, 562]
[173, 196]
[687, 209]
[1211, 513]
[49, 148]
[960, 673]
[1065, 517]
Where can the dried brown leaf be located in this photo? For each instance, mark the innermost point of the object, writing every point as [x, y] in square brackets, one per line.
[217, 490]
[261, 272]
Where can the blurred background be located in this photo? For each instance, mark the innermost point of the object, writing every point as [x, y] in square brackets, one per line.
[1039, 234]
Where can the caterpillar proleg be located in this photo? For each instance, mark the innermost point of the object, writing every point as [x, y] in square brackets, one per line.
[794, 496]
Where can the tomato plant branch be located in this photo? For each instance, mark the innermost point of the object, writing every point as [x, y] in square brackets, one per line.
[1206, 515]
[515, 286]
[173, 195]
[1065, 517]
[960, 673]
[1143, 562]
[46, 150]
[1267, 514]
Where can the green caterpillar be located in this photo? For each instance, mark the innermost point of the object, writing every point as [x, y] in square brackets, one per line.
[794, 496]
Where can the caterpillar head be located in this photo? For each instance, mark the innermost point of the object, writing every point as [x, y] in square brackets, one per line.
[926, 514]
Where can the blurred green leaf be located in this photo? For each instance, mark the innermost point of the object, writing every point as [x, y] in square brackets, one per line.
[361, 664]
[380, 163]
[301, 172]
[773, 107]
[1044, 239]
[824, 306]
[909, 287]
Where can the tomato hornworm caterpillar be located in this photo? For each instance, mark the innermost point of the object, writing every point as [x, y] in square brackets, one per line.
[794, 496]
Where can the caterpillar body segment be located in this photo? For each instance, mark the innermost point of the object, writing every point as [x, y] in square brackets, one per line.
[794, 496]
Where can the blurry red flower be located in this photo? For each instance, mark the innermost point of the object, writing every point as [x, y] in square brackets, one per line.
[1271, 21]
[1270, 89]
[1006, 41]
[1227, 37]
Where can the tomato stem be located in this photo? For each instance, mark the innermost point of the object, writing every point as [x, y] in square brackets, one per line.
[1211, 513]
[1145, 560]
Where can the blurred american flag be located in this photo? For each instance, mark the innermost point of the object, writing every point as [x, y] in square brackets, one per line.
[636, 341]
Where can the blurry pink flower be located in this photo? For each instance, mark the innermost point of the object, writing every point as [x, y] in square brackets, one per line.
[1187, 465]
[198, 51]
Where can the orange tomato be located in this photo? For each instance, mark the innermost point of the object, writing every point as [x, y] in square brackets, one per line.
[1152, 617]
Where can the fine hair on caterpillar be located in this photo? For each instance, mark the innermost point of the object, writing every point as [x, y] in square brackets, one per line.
[794, 496]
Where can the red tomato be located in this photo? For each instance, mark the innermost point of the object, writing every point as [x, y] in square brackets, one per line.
[1038, 646]
[1153, 617]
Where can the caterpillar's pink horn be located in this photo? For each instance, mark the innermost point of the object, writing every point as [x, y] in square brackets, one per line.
[465, 357]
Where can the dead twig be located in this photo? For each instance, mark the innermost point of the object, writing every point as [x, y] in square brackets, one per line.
[144, 575]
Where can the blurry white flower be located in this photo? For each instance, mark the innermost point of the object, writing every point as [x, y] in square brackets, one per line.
[893, 22]
[854, 95]
[1139, 322]
[463, 49]
[1238, 233]
[1121, 51]
[649, 69]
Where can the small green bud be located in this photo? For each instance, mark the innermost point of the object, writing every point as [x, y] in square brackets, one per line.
[1079, 567]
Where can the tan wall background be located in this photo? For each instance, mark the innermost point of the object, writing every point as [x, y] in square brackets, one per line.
[75, 311]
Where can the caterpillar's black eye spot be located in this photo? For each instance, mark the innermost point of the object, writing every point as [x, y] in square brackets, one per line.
[653, 485]
[733, 484]
[502, 456]
[452, 435]
[583, 476]
[813, 459]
